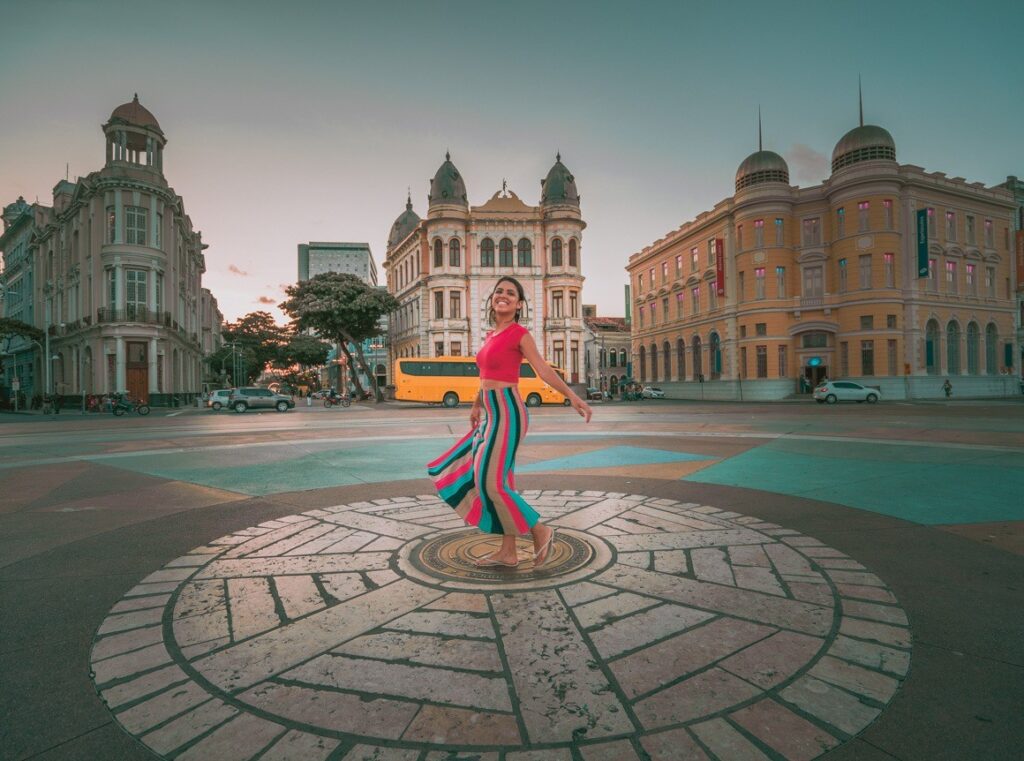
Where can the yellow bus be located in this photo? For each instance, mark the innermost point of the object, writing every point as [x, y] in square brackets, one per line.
[450, 380]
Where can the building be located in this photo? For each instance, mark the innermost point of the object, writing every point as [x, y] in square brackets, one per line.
[353, 258]
[780, 283]
[442, 269]
[18, 354]
[607, 347]
[1016, 187]
[112, 271]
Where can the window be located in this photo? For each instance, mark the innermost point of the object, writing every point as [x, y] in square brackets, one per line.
[525, 253]
[456, 349]
[454, 305]
[159, 230]
[932, 283]
[159, 305]
[779, 231]
[556, 305]
[950, 225]
[505, 253]
[438, 253]
[759, 283]
[815, 340]
[844, 358]
[814, 282]
[574, 309]
[741, 285]
[681, 358]
[640, 314]
[739, 237]
[953, 348]
[694, 257]
[653, 282]
[573, 258]
[972, 280]
[971, 234]
[759, 233]
[783, 361]
[664, 309]
[760, 328]
[891, 355]
[743, 331]
[867, 357]
[622, 357]
[865, 271]
[439, 348]
[680, 300]
[950, 277]
[556, 252]
[558, 354]
[487, 253]
[574, 361]
[991, 339]
[762, 361]
[695, 299]
[780, 282]
[812, 232]
[640, 283]
[613, 356]
[867, 322]
[743, 362]
[135, 225]
[931, 222]
[112, 288]
[712, 247]
[713, 294]
[887, 207]
[973, 339]
[438, 305]
[454, 253]
[989, 240]
[843, 277]
[664, 272]
[990, 282]
[840, 222]
[890, 270]
[111, 225]
[135, 293]
[679, 265]
[863, 210]
[890, 321]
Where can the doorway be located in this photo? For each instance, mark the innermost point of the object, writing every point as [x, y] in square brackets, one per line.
[137, 371]
[814, 376]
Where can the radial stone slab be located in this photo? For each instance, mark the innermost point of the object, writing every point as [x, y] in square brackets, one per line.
[367, 631]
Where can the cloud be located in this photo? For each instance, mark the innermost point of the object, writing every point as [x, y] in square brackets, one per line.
[807, 164]
[232, 268]
[266, 300]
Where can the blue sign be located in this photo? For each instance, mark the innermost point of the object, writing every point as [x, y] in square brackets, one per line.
[922, 242]
[814, 362]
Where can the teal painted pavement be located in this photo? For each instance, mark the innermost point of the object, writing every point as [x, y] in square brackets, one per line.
[611, 457]
[925, 485]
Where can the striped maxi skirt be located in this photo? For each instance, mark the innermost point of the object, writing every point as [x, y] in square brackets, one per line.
[477, 475]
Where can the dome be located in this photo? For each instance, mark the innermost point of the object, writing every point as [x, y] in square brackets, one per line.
[135, 113]
[864, 143]
[447, 185]
[559, 186]
[762, 166]
[404, 225]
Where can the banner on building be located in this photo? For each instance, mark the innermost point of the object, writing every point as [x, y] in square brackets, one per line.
[720, 266]
[922, 242]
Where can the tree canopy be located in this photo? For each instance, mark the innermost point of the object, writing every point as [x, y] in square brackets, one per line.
[10, 328]
[260, 339]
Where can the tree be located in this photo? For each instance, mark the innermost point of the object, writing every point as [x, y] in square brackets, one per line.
[9, 328]
[341, 308]
[259, 338]
[303, 349]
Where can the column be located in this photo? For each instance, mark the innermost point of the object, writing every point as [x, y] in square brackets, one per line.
[154, 385]
[121, 369]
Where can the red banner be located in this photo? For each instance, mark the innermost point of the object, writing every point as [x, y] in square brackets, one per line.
[720, 265]
[1019, 240]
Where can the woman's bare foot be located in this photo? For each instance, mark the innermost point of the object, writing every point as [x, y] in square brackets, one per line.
[543, 537]
[507, 555]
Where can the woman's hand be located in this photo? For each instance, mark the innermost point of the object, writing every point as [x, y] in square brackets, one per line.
[474, 416]
[581, 407]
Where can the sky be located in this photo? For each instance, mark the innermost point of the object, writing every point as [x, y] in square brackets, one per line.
[308, 121]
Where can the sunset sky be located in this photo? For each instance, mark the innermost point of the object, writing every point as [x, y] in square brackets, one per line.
[307, 121]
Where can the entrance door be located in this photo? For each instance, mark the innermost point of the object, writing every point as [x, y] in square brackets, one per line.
[814, 376]
[137, 371]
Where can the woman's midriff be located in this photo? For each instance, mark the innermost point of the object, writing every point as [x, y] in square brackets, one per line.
[493, 385]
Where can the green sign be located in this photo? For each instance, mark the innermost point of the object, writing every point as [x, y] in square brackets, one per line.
[922, 242]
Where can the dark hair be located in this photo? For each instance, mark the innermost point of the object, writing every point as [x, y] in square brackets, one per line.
[519, 288]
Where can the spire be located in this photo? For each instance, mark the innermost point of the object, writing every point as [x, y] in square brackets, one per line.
[136, 98]
[558, 156]
[408, 199]
[447, 156]
[760, 145]
[860, 99]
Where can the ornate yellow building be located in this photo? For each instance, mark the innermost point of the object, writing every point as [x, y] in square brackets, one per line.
[779, 286]
[443, 268]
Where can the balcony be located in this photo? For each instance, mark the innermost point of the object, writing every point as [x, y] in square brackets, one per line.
[811, 302]
[133, 314]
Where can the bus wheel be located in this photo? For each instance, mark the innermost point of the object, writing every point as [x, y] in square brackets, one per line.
[566, 403]
[451, 399]
[533, 400]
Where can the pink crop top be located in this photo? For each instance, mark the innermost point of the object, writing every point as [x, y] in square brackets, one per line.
[500, 356]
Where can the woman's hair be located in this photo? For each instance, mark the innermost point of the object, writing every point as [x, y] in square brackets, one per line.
[519, 289]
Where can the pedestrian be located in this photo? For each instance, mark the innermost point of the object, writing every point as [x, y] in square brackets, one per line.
[57, 401]
[947, 388]
[476, 476]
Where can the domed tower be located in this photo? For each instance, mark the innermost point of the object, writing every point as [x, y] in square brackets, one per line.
[762, 166]
[865, 142]
[134, 138]
[447, 191]
[404, 224]
[559, 196]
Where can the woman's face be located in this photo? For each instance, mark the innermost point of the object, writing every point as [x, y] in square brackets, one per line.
[505, 300]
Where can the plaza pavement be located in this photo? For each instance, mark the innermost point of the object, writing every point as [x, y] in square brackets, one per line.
[732, 582]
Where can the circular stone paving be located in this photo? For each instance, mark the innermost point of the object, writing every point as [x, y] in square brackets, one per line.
[661, 630]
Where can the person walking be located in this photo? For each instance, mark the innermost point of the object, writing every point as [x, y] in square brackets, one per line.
[476, 476]
[947, 388]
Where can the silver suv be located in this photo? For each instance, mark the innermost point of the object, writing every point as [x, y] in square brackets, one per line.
[242, 399]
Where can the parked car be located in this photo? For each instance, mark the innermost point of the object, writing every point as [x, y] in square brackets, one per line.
[242, 399]
[594, 393]
[652, 392]
[845, 391]
[219, 398]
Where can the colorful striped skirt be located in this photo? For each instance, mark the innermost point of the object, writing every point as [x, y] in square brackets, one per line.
[477, 475]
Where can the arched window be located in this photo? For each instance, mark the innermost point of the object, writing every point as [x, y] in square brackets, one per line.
[454, 253]
[438, 253]
[931, 347]
[698, 364]
[622, 358]
[487, 253]
[715, 358]
[666, 352]
[556, 252]
[614, 357]
[643, 362]
[991, 341]
[953, 348]
[505, 253]
[973, 339]
[525, 253]
[654, 363]
[573, 261]
[613, 385]
[681, 358]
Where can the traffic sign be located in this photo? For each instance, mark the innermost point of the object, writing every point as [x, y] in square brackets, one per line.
[15, 385]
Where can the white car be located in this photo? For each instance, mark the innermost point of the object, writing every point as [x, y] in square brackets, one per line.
[652, 392]
[219, 399]
[845, 391]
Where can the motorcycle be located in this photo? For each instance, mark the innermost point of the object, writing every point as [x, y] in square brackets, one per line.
[124, 404]
[331, 401]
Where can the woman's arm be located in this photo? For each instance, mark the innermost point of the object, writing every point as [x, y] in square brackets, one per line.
[529, 349]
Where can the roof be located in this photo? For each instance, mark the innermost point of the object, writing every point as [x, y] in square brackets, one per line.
[762, 166]
[560, 185]
[863, 143]
[505, 202]
[447, 185]
[135, 113]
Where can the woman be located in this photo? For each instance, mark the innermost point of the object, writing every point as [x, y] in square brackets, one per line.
[476, 476]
